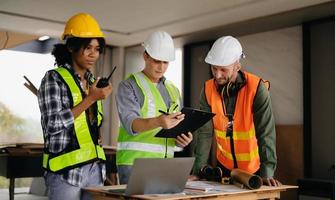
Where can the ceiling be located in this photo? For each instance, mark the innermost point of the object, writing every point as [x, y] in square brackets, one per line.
[10, 39]
[128, 22]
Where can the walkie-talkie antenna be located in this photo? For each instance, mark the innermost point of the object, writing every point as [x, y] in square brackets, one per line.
[111, 73]
[103, 82]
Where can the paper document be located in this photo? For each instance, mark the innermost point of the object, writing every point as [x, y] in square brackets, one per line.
[209, 187]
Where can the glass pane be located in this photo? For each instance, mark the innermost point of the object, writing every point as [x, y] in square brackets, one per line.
[19, 111]
[174, 72]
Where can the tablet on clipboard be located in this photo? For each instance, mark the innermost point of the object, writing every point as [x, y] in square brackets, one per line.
[194, 119]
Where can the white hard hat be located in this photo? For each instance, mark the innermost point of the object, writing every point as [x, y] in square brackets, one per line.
[225, 51]
[159, 45]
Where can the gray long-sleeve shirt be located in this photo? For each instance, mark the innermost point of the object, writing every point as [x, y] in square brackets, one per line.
[264, 127]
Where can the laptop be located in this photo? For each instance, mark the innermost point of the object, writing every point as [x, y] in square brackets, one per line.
[158, 176]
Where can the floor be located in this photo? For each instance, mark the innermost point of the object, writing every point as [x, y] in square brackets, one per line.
[20, 194]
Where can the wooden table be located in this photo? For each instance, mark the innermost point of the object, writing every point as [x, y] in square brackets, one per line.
[25, 160]
[265, 192]
[19, 161]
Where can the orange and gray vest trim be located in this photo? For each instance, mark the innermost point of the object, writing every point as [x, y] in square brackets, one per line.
[88, 150]
[244, 151]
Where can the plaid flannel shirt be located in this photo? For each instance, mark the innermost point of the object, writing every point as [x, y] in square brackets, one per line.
[57, 119]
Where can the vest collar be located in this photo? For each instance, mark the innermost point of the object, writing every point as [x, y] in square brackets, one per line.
[161, 80]
[87, 76]
[239, 83]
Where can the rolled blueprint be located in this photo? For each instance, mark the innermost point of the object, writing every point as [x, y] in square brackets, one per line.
[249, 180]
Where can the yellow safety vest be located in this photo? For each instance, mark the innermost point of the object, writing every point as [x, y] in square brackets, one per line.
[145, 144]
[88, 151]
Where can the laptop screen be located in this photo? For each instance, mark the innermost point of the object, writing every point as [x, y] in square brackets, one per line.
[159, 175]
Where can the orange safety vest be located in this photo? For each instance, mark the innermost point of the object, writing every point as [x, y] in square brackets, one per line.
[244, 137]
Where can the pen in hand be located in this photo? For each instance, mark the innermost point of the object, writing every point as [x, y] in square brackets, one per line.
[176, 117]
[168, 121]
[165, 113]
[176, 106]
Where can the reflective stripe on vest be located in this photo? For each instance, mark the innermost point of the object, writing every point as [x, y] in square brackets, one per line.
[244, 137]
[238, 135]
[145, 144]
[100, 113]
[88, 150]
[85, 153]
[137, 146]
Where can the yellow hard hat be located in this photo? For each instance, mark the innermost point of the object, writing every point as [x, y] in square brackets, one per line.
[82, 25]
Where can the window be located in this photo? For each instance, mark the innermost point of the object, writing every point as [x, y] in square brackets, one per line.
[174, 72]
[19, 111]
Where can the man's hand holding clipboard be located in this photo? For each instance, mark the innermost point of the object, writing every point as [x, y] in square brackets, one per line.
[170, 120]
[193, 119]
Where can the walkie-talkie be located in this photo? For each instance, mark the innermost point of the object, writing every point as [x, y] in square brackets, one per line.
[103, 82]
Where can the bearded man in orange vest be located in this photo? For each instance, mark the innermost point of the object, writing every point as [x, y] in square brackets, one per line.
[244, 126]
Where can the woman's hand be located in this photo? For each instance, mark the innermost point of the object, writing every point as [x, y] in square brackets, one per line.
[99, 93]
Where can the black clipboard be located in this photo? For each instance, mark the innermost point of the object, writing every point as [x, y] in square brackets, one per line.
[194, 119]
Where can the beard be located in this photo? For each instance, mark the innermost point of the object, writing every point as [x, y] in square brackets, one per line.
[223, 81]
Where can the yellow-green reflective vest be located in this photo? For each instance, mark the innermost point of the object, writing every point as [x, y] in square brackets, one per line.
[145, 144]
[88, 150]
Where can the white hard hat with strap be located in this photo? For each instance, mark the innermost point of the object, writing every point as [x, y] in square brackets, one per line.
[224, 52]
[159, 45]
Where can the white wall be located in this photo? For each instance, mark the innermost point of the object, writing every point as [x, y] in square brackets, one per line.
[277, 56]
[134, 61]
[110, 127]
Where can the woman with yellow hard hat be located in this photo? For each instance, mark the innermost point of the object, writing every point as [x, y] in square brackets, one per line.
[71, 112]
